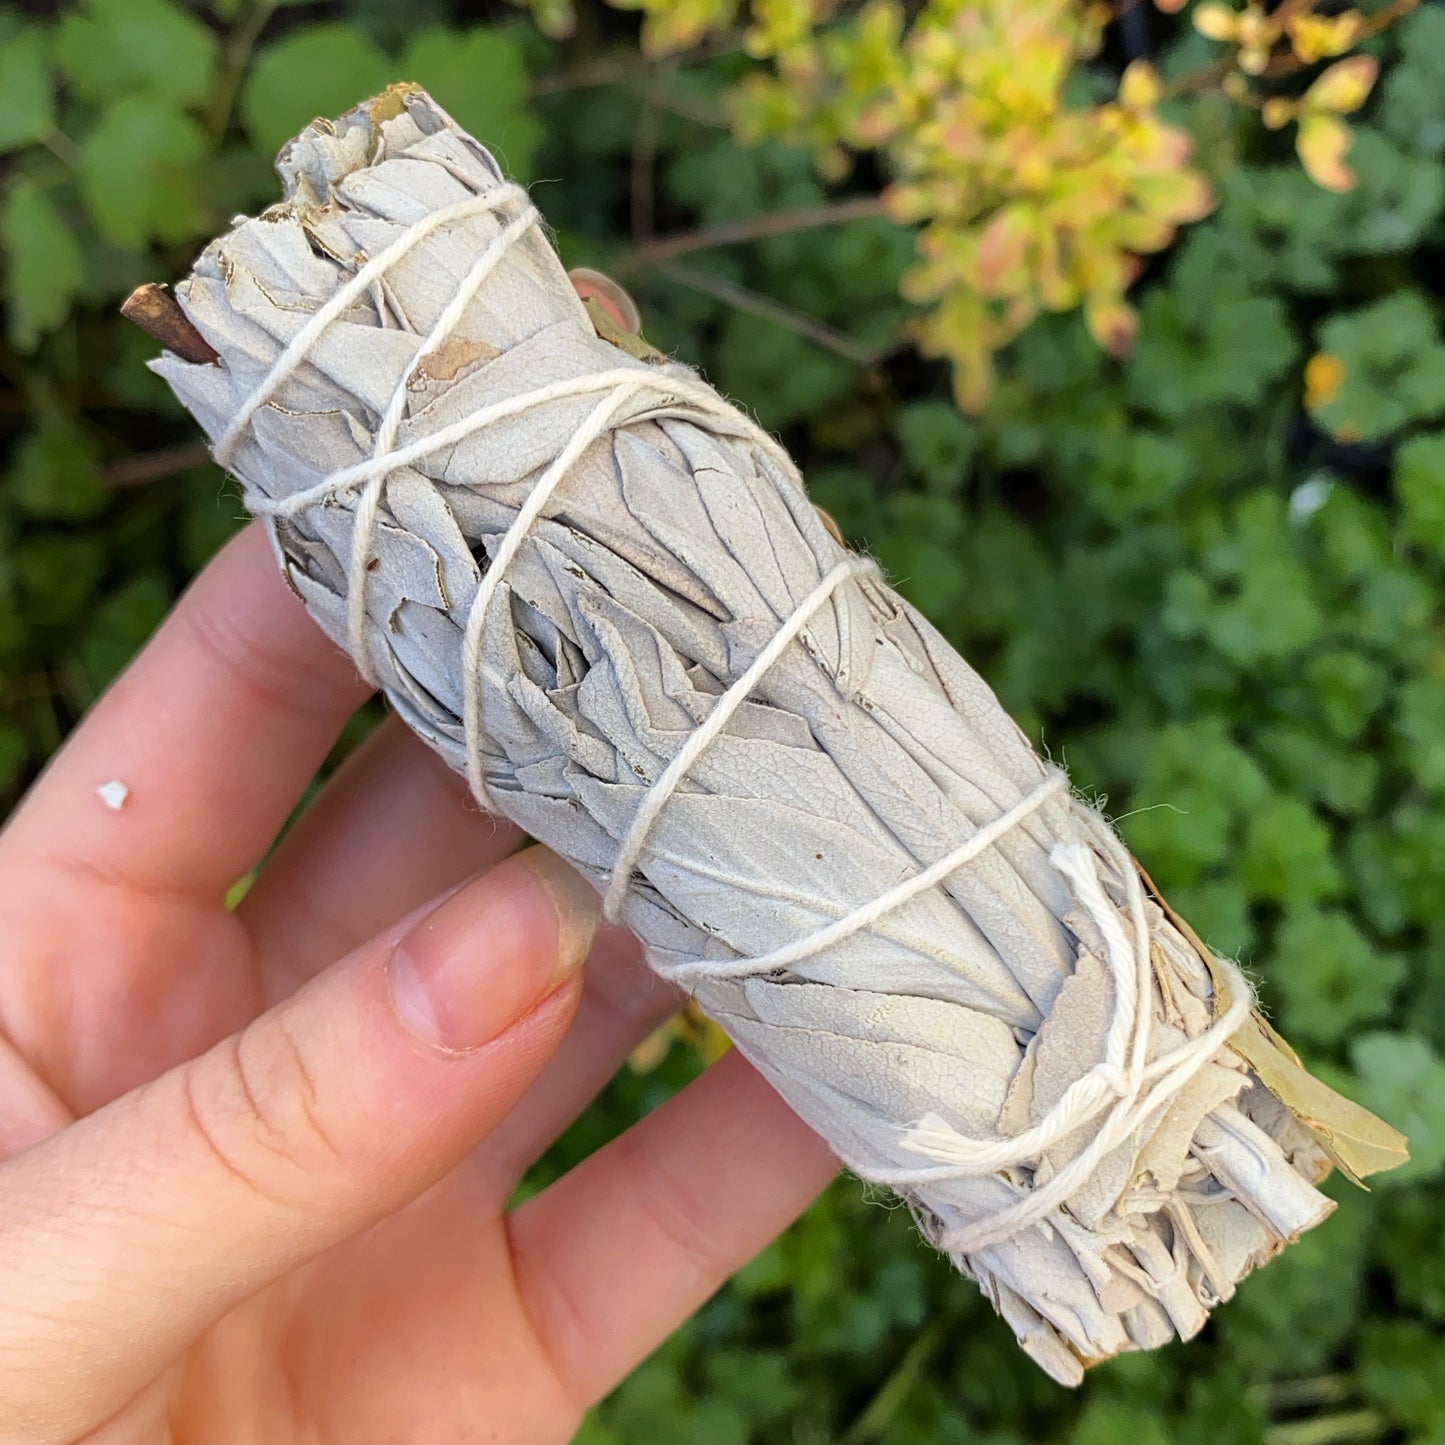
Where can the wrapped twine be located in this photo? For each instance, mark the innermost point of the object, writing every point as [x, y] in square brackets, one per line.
[600, 591]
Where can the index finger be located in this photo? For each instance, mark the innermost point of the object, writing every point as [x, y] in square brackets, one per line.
[182, 774]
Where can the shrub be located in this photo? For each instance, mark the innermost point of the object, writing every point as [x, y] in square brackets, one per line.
[1204, 569]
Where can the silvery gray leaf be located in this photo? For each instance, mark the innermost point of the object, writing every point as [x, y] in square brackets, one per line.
[671, 552]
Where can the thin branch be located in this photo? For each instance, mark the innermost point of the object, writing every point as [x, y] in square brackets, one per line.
[1346, 1428]
[755, 228]
[625, 67]
[235, 56]
[61, 147]
[818, 332]
[155, 466]
[642, 179]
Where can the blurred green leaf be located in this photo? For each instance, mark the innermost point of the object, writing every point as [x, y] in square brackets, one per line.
[55, 473]
[1394, 367]
[1287, 854]
[1402, 1078]
[1251, 598]
[1420, 722]
[781, 375]
[480, 75]
[57, 576]
[938, 442]
[27, 96]
[14, 751]
[110, 48]
[141, 172]
[1106, 1421]
[1289, 1318]
[1412, 106]
[43, 266]
[1207, 337]
[1348, 687]
[1402, 1367]
[120, 625]
[1332, 979]
[1420, 486]
[1196, 786]
[323, 69]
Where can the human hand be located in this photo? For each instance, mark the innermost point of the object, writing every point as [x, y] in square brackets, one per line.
[244, 1195]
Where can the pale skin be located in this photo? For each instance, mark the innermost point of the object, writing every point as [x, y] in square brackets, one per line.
[254, 1174]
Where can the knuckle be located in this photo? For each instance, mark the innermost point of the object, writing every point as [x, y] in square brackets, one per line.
[254, 1107]
[677, 1212]
[260, 668]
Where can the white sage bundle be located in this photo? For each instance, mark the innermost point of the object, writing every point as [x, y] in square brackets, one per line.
[601, 592]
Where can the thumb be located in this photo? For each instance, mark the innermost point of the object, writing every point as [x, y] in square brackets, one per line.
[124, 1236]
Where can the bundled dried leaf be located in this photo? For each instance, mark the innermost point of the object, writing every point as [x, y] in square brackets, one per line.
[602, 592]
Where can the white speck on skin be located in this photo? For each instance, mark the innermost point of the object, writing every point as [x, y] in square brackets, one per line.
[113, 794]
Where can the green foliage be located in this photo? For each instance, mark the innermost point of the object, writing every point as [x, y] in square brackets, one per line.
[1394, 368]
[1207, 576]
[1404, 1075]
[27, 98]
[484, 70]
[140, 172]
[44, 267]
[110, 47]
[320, 70]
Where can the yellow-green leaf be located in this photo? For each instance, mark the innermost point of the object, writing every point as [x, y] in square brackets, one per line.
[1322, 143]
[1344, 86]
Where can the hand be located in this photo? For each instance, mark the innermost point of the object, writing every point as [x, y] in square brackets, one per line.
[256, 1162]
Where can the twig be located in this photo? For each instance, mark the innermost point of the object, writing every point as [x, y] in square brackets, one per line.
[235, 55]
[159, 314]
[881, 1409]
[755, 228]
[644, 164]
[1347, 1428]
[625, 67]
[61, 147]
[155, 466]
[607, 70]
[819, 332]
[1310, 1393]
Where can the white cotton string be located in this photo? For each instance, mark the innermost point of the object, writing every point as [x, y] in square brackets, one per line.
[668, 388]
[870, 913]
[511, 544]
[1123, 1075]
[1081, 1103]
[368, 506]
[657, 796]
[300, 345]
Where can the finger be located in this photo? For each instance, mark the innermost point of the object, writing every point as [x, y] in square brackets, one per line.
[30, 1110]
[622, 1002]
[126, 1235]
[394, 827]
[613, 1257]
[210, 735]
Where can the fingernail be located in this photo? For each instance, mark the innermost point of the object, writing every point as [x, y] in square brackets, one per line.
[492, 951]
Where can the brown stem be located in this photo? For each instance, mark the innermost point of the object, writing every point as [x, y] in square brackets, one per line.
[1346, 1428]
[626, 67]
[818, 332]
[235, 55]
[756, 228]
[159, 314]
[155, 466]
[644, 165]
